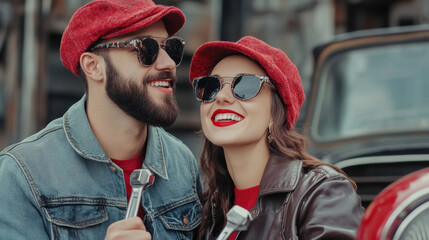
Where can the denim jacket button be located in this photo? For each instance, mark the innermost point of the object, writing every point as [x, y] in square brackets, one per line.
[186, 221]
[113, 169]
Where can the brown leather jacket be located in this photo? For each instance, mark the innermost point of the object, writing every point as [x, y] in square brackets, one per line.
[301, 203]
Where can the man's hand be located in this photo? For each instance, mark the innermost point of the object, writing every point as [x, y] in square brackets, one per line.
[130, 228]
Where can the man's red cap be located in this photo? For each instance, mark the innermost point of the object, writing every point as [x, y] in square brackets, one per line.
[110, 18]
[279, 68]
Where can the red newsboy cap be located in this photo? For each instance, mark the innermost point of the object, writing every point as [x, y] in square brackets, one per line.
[110, 18]
[276, 63]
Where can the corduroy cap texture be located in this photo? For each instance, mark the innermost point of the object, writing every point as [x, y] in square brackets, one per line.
[276, 63]
[110, 18]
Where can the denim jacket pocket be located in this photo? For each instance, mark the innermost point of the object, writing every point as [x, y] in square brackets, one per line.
[77, 221]
[183, 219]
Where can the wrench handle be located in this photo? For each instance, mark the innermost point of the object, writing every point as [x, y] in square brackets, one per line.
[226, 232]
[134, 203]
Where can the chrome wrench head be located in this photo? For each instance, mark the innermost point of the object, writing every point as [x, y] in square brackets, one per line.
[238, 219]
[139, 180]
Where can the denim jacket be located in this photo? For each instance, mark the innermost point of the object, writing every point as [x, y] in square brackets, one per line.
[59, 184]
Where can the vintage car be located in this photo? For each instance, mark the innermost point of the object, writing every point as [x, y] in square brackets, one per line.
[367, 110]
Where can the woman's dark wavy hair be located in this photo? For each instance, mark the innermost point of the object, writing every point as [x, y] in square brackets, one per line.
[220, 187]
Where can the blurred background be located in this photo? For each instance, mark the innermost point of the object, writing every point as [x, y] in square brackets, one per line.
[36, 88]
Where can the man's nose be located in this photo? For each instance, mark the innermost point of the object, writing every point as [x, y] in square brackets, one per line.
[164, 62]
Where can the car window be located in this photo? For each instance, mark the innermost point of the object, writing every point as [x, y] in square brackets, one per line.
[373, 90]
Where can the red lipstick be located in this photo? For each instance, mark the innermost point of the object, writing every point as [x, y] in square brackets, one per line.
[225, 123]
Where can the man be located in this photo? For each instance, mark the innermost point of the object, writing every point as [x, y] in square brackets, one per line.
[68, 181]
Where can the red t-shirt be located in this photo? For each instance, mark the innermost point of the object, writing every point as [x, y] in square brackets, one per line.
[128, 166]
[245, 198]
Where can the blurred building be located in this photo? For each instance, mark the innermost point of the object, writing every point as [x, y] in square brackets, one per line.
[35, 88]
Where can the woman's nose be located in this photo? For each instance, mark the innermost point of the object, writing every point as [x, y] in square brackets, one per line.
[225, 94]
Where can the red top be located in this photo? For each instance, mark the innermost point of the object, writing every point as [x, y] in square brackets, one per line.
[245, 198]
[128, 166]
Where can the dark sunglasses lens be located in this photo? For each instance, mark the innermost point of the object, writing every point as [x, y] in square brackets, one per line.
[206, 88]
[246, 87]
[148, 51]
[174, 48]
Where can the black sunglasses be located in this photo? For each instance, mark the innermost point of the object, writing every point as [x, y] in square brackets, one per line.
[148, 48]
[243, 86]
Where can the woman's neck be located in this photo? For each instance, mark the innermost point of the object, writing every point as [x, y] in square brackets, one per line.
[246, 164]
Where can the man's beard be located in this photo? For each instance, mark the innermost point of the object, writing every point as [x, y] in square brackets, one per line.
[134, 99]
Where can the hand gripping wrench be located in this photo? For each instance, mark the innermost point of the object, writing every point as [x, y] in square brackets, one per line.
[238, 219]
[139, 180]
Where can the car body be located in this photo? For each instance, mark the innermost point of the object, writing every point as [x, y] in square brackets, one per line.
[367, 111]
[400, 211]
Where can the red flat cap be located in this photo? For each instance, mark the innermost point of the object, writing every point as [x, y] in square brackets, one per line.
[110, 18]
[276, 63]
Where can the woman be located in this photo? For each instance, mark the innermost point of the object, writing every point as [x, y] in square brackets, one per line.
[250, 96]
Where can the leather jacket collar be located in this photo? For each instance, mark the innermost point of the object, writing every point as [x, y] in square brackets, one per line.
[280, 175]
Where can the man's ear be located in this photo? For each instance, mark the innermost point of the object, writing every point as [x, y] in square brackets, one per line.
[92, 65]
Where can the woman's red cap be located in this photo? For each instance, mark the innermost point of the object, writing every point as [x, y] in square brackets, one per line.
[110, 18]
[276, 63]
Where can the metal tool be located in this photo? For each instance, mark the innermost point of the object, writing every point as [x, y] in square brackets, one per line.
[139, 180]
[238, 219]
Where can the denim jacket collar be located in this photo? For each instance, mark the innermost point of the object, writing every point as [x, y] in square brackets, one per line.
[79, 133]
[154, 159]
[82, 139]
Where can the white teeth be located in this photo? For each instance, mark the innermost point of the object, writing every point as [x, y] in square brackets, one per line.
[227, 116]
[160, 84]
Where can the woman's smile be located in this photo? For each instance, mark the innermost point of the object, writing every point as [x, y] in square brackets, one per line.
[225, 117]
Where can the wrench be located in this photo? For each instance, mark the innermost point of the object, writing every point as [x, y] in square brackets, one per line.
[238, 219]
[139, 180]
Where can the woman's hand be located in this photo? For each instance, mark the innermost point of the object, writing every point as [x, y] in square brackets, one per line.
[130, 228]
